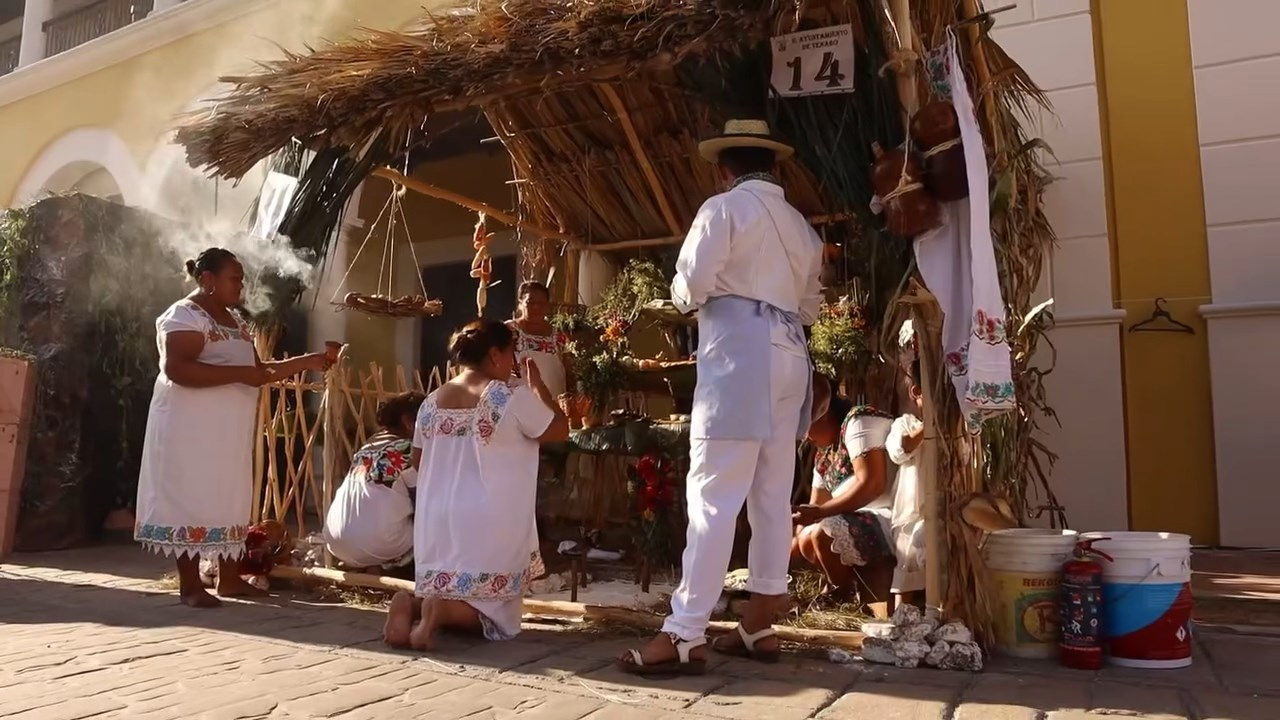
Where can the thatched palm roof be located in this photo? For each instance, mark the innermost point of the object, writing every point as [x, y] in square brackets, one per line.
[569, 86]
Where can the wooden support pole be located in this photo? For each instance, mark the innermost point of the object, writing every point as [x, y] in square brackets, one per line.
[637, 149]
[459, 199]
[906, 67]
[934, 556]
[560, 608]
[677, 239]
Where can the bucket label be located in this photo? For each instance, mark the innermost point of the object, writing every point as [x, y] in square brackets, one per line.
[1027, 608]
[1148, 621]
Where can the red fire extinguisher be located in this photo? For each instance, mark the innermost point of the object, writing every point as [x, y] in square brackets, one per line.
[1080, 608]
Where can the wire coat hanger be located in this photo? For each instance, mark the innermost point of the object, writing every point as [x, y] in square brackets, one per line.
[1161, 314]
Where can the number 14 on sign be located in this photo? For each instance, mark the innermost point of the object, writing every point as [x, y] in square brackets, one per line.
[813, 62]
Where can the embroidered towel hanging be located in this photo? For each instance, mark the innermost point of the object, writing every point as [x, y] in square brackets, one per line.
[958, 263]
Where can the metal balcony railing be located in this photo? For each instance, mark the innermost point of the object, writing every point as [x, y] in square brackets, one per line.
[9, 55]
[92, 22]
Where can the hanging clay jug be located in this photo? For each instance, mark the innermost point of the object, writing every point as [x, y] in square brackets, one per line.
[936, 130]
[897, 179]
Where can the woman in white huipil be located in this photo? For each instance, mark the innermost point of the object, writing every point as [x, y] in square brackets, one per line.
[536, 339]
[196, 483]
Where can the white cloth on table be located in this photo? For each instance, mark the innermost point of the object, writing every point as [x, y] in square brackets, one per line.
[958, 263]
[545, 350]
[723, 474]
[907, 531]
[746, 247]
[861, 433]
[475, 533]
[370, 521]
[195, 487]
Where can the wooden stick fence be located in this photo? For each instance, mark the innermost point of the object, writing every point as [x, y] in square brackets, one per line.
[300, 418]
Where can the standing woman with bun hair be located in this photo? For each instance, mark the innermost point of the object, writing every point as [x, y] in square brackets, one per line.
[536, 339]
[196, 484]
[475, 533]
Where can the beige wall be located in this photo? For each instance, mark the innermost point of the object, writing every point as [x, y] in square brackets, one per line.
[1236, 53]
[138, 99]
[1053, 41]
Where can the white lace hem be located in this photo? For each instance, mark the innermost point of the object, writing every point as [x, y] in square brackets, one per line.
[837, 528]
[213, 551]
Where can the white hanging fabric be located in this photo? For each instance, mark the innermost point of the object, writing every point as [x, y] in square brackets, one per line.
[958, 263]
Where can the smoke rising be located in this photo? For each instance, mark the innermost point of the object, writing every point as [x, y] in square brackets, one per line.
[216, 213]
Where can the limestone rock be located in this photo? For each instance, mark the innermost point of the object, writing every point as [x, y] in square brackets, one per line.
[906, 614]
[915, 633]
[886, 630]
[953, 632]
[963, 656]
[937, 653]
[909, 653]
[878, 650]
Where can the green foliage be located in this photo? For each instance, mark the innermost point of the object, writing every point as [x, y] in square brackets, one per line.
[15, 246]
[639, 283]
[838, 339]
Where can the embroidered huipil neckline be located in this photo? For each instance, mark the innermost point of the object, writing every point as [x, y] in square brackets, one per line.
[761, 176]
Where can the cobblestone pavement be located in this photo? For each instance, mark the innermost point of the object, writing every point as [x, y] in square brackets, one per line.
[90, 634]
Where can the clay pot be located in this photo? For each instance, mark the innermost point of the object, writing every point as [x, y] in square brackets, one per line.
[936, 129]
[898, 179]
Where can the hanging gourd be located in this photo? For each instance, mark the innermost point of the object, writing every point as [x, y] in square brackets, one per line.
[482, 263]
[382, 302]
[936, 128]
[897, 178]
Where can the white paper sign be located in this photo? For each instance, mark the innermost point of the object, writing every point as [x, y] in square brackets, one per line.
[813, 62]
[273, 203]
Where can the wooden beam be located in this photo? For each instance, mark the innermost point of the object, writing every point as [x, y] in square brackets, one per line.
[676, 239]
[560, 608]
[637, 149]
[461, 200]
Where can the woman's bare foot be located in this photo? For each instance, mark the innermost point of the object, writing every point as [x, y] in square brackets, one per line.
[422, 637]
[198, 598]
[399, 624]
[234, 586]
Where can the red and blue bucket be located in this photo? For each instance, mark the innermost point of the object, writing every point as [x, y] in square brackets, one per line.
[1146, 597]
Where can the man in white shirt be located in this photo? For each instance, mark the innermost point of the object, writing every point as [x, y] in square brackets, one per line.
[750, 266]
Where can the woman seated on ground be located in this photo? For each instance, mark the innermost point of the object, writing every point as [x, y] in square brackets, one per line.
[844, 529]
[475, 534]
[370, 523]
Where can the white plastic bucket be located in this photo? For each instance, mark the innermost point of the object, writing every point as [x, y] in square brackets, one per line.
[1146, 596]
[1026, 572]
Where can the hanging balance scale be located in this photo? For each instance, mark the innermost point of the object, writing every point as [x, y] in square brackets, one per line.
[383, 302]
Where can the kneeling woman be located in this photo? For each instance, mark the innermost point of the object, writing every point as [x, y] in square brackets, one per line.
[844, 529]
[475, 533]
[370, 521]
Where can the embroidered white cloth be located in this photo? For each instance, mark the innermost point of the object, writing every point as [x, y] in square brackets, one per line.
[545, 351]
[475, 533]
[195, 488]
[370, 521]
[907, 523]
[958, 263]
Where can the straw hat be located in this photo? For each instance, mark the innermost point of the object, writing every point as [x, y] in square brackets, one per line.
[744, 133]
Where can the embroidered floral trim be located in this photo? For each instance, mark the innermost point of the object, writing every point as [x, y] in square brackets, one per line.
[989, 328]
[463, 585]
[957, 361]
[192, 540]
[480, 421]
[218, 332]
[382, 464]
[990, 395]
[936, 66]
[835, 465]
[546, 344]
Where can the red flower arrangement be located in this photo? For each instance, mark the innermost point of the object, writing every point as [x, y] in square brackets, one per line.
[653, 487]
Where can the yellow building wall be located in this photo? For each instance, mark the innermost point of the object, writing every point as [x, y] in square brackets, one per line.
[1158, 239]
[139, 98]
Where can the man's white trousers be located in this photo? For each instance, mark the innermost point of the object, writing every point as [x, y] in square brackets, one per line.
[723, 474]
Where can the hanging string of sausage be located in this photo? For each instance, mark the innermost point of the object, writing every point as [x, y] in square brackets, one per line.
[482, 263]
